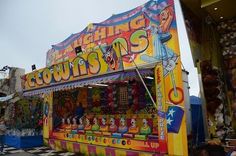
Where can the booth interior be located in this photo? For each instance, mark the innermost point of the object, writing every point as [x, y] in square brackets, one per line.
[96, 113]
[23, 119]
[211, 30]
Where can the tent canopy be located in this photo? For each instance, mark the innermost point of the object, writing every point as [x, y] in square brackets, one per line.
[6, 98]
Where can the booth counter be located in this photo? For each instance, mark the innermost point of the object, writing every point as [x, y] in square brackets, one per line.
[23, 141]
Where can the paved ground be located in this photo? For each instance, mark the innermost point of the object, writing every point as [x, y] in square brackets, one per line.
[37, 151]
[20, 154]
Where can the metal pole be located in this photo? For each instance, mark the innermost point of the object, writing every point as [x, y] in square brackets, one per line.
[145, 86]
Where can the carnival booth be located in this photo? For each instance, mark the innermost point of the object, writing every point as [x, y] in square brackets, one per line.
[116, 88]
[212, 34]
[23, 118]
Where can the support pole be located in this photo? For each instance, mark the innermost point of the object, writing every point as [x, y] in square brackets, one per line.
[137, 70]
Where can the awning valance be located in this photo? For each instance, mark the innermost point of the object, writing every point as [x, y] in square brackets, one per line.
[108, 78]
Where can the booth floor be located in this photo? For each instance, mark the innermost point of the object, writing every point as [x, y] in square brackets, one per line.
[37, 151]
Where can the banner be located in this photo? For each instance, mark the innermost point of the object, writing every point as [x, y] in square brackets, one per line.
[140, 34]
[101, 60]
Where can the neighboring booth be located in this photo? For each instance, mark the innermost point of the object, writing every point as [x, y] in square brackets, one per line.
[198, 136]
[23, 116]
[116, 87]
[211, 27]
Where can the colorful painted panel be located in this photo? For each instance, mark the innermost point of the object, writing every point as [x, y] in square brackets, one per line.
[102, 60]
[149, 145]
[144, 36]
[87, 149]
[140, 33]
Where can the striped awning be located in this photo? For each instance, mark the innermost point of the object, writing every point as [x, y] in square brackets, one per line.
[108, 78]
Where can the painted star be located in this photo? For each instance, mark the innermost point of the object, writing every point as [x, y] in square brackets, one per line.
[171, 112]
[169, 121]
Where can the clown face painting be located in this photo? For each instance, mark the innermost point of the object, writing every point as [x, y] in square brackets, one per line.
[113, 127]
[81, 124]
[104, 126]
[145, 129]
[95, 126]
[123, 128]
[134, 129]
[110, 57]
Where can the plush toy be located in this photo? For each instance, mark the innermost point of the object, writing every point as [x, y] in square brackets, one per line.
[112, 127]
[219, 119]
[210, 123]
[220, 108]
[122, 128]
[145, 129]
[81, 97]
[95, 126]
[213, 105]
[69, 105]
[110, 95]
[220, 134]
[96, 97]
[135, 97]
[104, 126]
[115, 99]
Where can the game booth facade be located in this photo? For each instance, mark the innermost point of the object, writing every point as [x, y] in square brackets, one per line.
[116, 87]
[23, 118]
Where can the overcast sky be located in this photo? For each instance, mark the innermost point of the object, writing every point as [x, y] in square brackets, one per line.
[28, 28]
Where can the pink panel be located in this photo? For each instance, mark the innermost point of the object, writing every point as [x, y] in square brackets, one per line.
[110, 152]
[76, 147]
[92, 150]
[158, 155]
[131, 153]
[51, 143]
[63, 145]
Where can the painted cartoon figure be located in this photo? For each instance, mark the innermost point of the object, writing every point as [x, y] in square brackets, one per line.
[112, 127]
[145, 129]
[110, 57]
[81, 124]
[74, 125]
[122, 128]
[166, 17]
[162, 52]
[161, 35]
[87, 124]
[104, 126]
[134, 129]
[95, 126]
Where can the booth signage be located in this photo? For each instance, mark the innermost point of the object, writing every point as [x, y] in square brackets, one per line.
[144, 36]
[103, 59]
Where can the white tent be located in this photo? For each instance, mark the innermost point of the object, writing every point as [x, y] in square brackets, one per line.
[6, 98]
